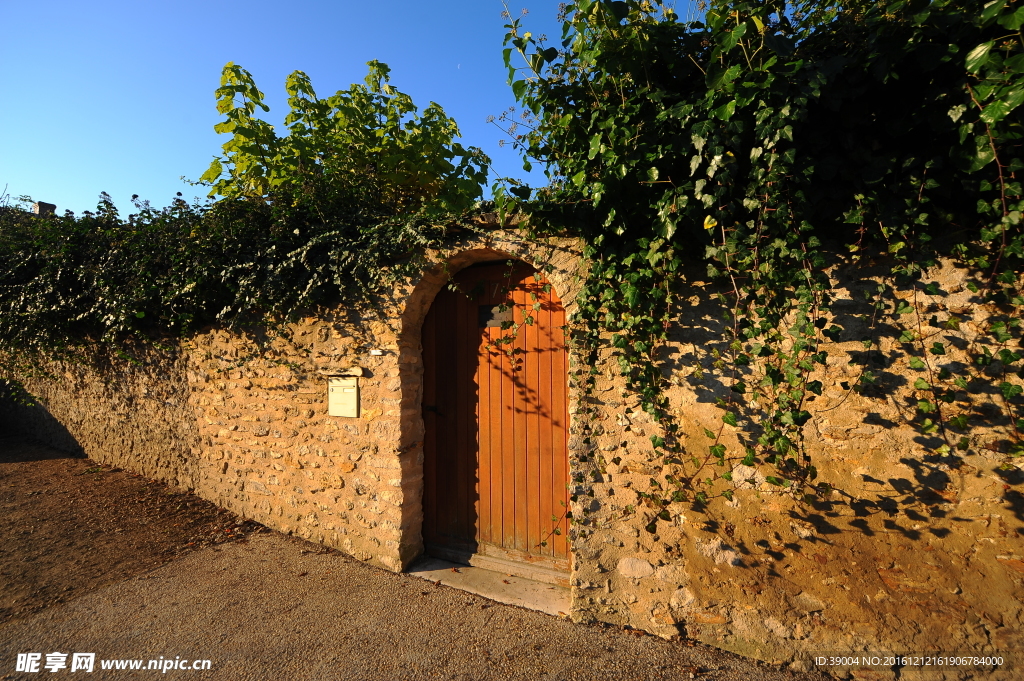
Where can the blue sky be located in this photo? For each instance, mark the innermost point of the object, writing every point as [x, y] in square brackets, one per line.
[118, 96]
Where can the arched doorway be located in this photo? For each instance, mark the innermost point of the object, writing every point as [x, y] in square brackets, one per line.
[495, 412]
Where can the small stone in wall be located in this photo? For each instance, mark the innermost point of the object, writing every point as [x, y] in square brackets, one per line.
[778, 628]
[257, 487]
[682, 599]
[718, 551]
[673, 574]
[747, 477]
[802, 529]
[806, 602]
[635, 568]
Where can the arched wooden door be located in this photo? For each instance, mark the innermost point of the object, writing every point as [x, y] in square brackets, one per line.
[495, 409]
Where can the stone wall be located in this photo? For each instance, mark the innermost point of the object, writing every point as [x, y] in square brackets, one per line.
[242, 419]
[131, 411]
[914, 551]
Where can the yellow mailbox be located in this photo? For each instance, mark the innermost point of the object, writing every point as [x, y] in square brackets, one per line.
[343, 393]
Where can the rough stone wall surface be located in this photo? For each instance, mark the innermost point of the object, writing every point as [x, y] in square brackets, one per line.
[134, 414]
[915, 551]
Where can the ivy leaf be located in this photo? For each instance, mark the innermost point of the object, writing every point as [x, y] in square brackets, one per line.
[795, 417]
[995, 111]
[999, 331]
[977, 57]
[921, 384]
[1007, 357]
[917, 363]
[730, 418]
[1010, 390]
[937, 349]
[726, 111]
[984, 154]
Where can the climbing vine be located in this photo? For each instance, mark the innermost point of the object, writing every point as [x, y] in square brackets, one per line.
[335, 211]
[777, 142]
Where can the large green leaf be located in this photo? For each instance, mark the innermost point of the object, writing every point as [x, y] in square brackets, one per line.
[977, 57]
[1012, 20]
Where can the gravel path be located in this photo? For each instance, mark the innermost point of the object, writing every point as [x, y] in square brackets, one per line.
[96, 560]
[275, 607]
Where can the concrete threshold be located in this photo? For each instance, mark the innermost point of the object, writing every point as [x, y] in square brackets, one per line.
[498, 586]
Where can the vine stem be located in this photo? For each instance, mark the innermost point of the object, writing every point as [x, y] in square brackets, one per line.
[928, 368]
[1002, 189]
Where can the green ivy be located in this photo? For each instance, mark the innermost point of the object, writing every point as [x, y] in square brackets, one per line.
[767, 140]
[333, 213]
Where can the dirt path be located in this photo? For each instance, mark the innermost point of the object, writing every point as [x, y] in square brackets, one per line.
[267, 607]
[70, 525]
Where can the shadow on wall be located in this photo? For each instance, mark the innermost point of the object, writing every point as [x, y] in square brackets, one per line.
[36, 422]
[950, 376]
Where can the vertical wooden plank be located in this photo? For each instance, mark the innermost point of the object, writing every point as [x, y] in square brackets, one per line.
[447, 414]
[497, 461]
[534, 407]
[494, 399]
[465, 408]
[443, 458]
[522, 491]
[508, 447]
[430, 425]
[560, 424]
[483, 497]
[546, 495]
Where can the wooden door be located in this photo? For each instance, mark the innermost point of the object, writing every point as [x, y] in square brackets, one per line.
[496, 416]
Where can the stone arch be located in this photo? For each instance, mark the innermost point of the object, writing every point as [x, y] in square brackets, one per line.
[558, 259]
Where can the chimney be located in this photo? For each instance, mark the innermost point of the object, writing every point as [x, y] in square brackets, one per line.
[42, 209]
